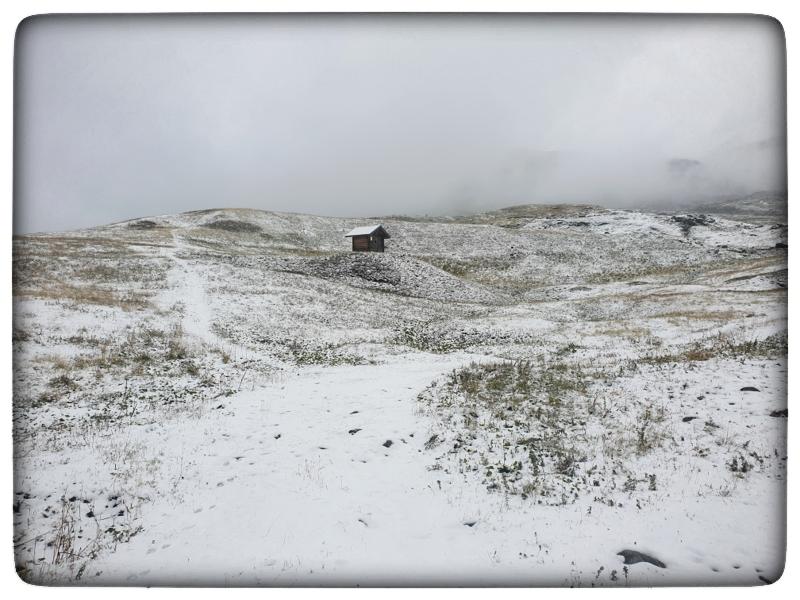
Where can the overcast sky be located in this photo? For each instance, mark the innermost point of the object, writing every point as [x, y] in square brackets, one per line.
[121, 117]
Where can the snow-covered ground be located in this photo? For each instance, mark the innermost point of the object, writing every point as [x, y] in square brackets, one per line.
[233, 397]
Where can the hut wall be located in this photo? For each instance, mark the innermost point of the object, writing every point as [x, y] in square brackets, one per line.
[376, 243]
[361, 243]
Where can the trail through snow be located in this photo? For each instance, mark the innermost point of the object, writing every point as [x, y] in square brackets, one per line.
[186, 287]
[317, 473]
[295, 479]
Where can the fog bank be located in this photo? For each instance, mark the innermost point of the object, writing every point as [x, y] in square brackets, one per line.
[120, 117]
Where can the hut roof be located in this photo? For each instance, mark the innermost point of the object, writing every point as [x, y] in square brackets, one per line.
[369, 230]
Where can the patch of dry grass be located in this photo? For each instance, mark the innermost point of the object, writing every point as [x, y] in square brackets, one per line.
[723, 346]
[86, 271]
[703, 315]
[625, 330]
[85, 295]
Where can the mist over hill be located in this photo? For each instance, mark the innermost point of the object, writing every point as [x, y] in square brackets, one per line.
[347, 115]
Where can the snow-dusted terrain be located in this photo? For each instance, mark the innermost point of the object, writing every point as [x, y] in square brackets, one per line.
[232, 396]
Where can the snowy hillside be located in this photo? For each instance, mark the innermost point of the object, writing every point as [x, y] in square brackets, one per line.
[511, 398]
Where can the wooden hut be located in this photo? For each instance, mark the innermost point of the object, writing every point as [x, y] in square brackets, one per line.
[369, 238]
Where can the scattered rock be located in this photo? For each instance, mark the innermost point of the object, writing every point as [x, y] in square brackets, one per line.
[686, 222]
[780, 413]
[277, 436]
[234, 226]
[781, 245]
[432, 441]
[634, 556]
[145, 224]
[749, 388]
[470, 523]
[354, 431]
[388, 444]
[688, 419]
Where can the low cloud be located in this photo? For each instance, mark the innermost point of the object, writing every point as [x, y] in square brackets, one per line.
[119, 117]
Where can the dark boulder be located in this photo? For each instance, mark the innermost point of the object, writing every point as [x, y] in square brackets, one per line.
[634, 556]
[686, 222]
